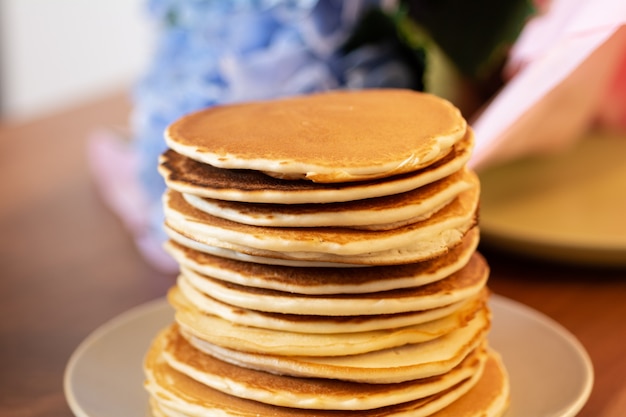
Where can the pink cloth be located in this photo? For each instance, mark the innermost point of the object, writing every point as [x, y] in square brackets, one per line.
[114, 168]
[566, 73]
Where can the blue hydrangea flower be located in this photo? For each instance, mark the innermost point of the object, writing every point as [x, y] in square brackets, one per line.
[210, 52]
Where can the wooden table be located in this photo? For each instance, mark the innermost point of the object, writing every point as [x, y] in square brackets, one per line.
[67, 265]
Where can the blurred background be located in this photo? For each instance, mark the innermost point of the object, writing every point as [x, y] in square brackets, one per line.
[57, 54]
[534, 77]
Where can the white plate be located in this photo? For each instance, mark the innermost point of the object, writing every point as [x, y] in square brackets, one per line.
[568, 206]
[551, 374]
[550, 371]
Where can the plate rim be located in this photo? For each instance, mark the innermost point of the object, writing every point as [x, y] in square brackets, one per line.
[524, 237]
[123, 318]
[556, 328]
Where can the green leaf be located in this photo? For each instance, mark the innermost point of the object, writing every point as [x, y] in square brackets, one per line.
[476, 35]
[377, 27]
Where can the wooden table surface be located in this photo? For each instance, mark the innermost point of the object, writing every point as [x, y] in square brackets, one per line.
[68, 265]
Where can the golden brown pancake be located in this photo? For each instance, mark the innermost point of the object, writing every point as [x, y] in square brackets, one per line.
[184, 294]
[386, 366]
[186, 175]
[381, 213]
[326, 280]
[418, 251]
[175, 394]
[460, 285]
[410, 243]
[328, 137]
[305, 339]
[308, 393]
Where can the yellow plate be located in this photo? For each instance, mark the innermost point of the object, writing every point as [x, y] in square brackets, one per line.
[569, 206]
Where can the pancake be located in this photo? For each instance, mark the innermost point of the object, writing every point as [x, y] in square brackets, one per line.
[410, 243]
[175, 395]
[418, 251]
[329, 137]
[225, 333]
[381, 213]
[189, 297]
[307, 393]
[326, 280]
[385, 366]
[186, 175]
[465, 283]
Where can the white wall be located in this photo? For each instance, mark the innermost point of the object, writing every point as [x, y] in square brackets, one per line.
[58, 53]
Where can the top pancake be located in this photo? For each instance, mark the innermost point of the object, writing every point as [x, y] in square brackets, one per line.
[337, 136]
[188, 176]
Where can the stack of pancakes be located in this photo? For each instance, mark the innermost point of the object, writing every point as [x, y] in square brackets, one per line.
[328, 264]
